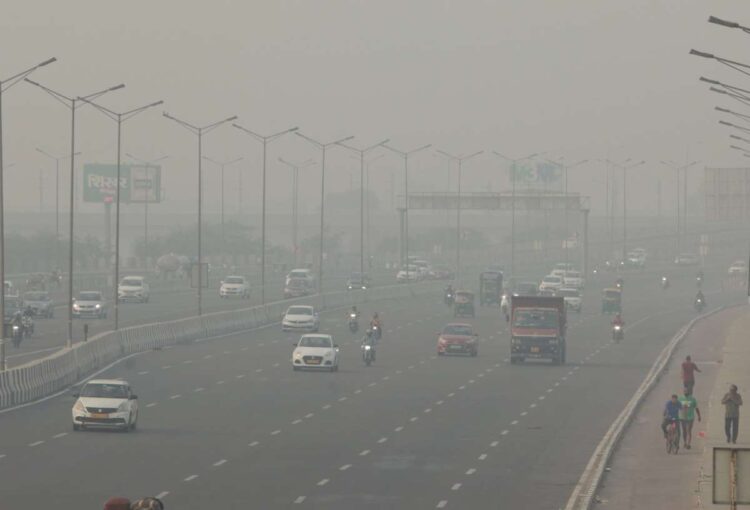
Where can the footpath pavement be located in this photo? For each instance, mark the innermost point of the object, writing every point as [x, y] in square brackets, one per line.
[641, 474]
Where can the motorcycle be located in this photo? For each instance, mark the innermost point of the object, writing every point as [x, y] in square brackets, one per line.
[377, 332]
[353, 323]
[617, 333]
[699, 281]
[28, 326]
[449, 298]
[618, 284]
[664, 283]
[699, 305]
[17, 335]
[368, 354]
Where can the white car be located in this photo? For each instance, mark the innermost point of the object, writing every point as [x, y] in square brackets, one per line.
[562, 266]
[316, 352]
[738, 267]
[423, 269]
[89, 304]
[687, 259]
[133, 288]
[410, 274]
[558, 272]
[303, 274]
[108, 403]
[573, 279]
[300, 318]
[550, 283]
[234, 286]
[572, 297]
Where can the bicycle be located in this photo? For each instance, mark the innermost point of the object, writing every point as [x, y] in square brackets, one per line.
[673, 437]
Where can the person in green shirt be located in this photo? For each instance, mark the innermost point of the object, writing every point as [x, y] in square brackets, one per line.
[687, 415]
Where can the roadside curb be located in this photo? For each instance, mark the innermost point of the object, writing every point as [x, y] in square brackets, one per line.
[585, 489]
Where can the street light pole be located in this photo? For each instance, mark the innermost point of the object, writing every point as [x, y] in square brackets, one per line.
[4, 86]
[119, 118]
[323, 147]
[674, 166]
[460, 160]
[513, 179]
[625, 169]
[264, 140]
[148, 165]
[362, 153]
[72, 103]
[295, 199]
[222, 165]
[405, 156]
[199, 132]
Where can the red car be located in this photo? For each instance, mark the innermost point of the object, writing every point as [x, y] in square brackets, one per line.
[458, 338]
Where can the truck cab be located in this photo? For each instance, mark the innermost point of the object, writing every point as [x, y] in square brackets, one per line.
[538, 328]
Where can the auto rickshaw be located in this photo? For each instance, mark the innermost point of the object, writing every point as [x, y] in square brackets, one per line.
[611, 301]
[490, 288]
[463, 305]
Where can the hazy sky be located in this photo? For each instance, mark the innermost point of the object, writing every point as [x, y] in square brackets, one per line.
[579, 78]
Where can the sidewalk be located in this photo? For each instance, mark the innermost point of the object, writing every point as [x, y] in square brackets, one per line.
[642, 475]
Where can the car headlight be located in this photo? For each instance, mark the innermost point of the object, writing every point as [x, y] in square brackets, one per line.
[297, 355]
[368, 347]
[79, 406]
[98, 306]
[76, 307]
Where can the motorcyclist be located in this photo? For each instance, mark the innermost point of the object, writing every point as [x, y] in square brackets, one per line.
[449, 290]
[618, 283]
[375, 325]
[617, 321]
[354, 312]
[449, 294]
[699, 297]
[28, 312]
[369, 339]
[664, 282]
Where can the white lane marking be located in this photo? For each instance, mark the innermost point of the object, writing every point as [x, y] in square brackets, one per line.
[471, 471]
[187, 361]
[514, 422]
[471, 381]
[413, 419]
[143, 372]
[570, 373]
[441, 504]
[398, 429]
[190, 478]
[220, 382]
[372, 384]
[421, 362]
[276, 432]
[162, 495]
[240, 376]
[152, 404]
[208, 356]
[244, 349]
[439, 403]
[532, 406]
[198, 390]
[398, 372]
[254, 443]
[410, 367]
[173, 397]
[542, 397]
[357, 392]
[37, 443]
[462, 387]
[451, 394]
[494, 444]
[576, 368]
[323, 482]
[482, 457]
[258, 370]
[480, 375]
[564, 378]
[2, 455]
[342, 399]
[58, 436]
[385, 378]
[276, 365]
[345, 467]
[364, 453]
[220, 462]
[166, 367]
[549, 390]
[503, 433]
[229, 352]
[296, 422]
[299, 500]
[524, 413]
[382, 440]
[456, 486]
[309, 415]
[327, 406]
[557, 384]
[428, 410]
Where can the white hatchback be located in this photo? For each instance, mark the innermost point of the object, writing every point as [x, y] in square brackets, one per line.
[551, 283]
[316, 352]
[234, 286]
[106, 403]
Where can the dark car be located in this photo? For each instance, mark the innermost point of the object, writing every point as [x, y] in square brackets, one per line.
[358, 281]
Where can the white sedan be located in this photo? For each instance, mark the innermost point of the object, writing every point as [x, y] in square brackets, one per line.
[738, 267]
[106, 403]
[300, 318]
[234, 286]
[316, 352]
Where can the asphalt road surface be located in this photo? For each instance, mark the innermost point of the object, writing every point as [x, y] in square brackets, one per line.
[226, 423]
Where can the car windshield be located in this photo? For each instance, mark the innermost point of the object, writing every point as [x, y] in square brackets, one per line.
[298, 274]
[299, 310]
[573, 274]
[315, 341]
[543, 319]
[132, 282]
[457, 329]
[234, 280]
[568, 293]
[551, 279]
[89, 296]
[36, 296]
[103, 390]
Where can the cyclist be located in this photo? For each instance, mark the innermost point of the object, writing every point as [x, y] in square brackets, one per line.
[687, 415]
[671, 415]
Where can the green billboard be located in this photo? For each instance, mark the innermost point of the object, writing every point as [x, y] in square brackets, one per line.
[138, 183]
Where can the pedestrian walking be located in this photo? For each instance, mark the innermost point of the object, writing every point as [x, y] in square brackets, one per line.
[688, 374]
[732, 401]
[688, 411]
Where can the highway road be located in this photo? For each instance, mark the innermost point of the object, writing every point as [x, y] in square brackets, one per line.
[226, 423]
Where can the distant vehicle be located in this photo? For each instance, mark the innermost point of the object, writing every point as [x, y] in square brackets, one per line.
[301, 274]
[573, 279]
[458, 338]
[10, 290]
[635, 259]
[572, 297]
[298, 287]
[36, 281]
[497, 268]
[538, 328]
[300, 318]
[409, 274]
[423, 269]
[133, 288]
[687, 259]
[234, 286]
[463, 304]
[442, 273]
[315, 352]
[106, 403]
[490, 288]
[40, 303]
[526, 289]
[358, 281]
[550, 283]
[89, 305]
[738, 267]
[563, 266]
[558, 272]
